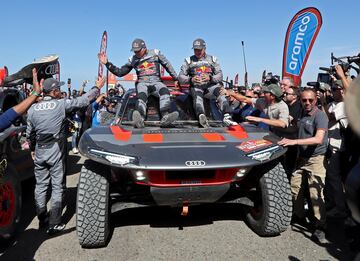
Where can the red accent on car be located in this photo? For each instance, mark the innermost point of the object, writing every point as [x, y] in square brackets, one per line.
[120, 133]
[153, 138]
[7, 204]
[213, 137]
[159, 178]
[237, 131]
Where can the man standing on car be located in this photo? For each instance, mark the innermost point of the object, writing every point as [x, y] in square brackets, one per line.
[147, 66]
[310, 167]
[46, 135]
[203, 72]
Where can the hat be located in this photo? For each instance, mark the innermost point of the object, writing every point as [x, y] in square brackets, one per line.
[51, 84]
[199, 44]
[137, 45]
[274, 89]
[337, 85]
[324, 86]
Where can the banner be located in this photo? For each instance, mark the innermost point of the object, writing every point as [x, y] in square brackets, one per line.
[103, 46]
[162, 72]
[57, 75]
[299, 40]
[236, 80]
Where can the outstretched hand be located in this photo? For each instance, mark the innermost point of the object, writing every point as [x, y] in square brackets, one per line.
[37, 87]
[102, 58]
[100, 82]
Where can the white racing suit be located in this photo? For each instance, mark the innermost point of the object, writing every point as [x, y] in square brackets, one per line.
[148, 78]
[209, 64]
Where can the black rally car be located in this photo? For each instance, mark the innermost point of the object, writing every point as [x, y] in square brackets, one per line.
[179, 166]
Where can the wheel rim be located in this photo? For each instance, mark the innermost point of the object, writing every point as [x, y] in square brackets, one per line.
[7, 204]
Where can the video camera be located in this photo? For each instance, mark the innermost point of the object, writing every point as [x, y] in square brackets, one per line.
[271, 79]
[344, 62]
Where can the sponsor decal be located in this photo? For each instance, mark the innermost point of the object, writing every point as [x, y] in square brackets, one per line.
[51, 69]
[251, 145]
[195, 163]
[299, 40]
[203, 69]
[44, 106]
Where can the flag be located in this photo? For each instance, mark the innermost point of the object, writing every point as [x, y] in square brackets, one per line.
[299, 40]
[236, 80]
[103, 46]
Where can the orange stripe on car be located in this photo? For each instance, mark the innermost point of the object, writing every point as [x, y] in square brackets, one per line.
[120, 133]
[153, 137]
[237, 131]
[213, 137]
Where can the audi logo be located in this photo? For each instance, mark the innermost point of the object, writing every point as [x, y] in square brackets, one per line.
[195, 163]
[44, 106]
[51, 69]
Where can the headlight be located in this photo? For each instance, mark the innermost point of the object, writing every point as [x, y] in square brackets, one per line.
[264, 154]
[113, 158]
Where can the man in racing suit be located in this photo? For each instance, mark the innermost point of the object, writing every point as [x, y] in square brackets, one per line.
[147, 66]
[46, 135]
[202, 71]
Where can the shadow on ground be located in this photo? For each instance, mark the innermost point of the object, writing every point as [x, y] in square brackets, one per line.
[170, 217]
[27, 241]
[343, 239]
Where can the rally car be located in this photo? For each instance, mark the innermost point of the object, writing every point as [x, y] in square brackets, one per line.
[179, 166]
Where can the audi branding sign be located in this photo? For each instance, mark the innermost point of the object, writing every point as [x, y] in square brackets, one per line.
[195, 163]
[51, 69]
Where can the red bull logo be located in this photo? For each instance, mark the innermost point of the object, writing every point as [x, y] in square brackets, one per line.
[203, 69]
[146, 65]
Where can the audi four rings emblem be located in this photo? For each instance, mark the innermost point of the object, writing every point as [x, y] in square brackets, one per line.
[51, 69]
[195, 163]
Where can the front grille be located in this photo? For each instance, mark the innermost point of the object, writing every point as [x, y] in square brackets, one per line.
[190, 175]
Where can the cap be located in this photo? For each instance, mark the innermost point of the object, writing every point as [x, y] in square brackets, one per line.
[51, 84]
[337, 85]
[137, 45]
[199, 44]
[324, 86]
[274, 89]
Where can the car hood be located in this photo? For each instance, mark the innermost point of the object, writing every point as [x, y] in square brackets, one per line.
[180, 148]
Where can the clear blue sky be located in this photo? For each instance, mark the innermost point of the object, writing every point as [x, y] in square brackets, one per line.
[72, 29]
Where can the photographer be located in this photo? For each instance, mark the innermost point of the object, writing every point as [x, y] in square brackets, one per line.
[338, 123]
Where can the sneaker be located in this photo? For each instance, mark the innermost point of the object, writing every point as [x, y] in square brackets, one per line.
[203, 121]
[138, 120]
[75, 151]
[169, 118]
[53, 229]
[228, 121]
[319, 236]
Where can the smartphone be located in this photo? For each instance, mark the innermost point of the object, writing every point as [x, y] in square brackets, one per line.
[69, 81]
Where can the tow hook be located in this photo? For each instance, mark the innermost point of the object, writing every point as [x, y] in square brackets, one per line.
[185, 209]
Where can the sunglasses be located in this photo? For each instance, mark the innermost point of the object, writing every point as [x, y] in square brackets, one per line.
[309, 100]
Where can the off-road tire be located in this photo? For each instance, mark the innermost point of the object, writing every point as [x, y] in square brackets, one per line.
[272, 212]
[10, 203]
[92, 208]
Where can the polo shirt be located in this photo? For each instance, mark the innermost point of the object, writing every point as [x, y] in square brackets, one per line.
[308, 124]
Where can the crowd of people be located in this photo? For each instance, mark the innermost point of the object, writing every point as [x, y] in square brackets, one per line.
[310, 121]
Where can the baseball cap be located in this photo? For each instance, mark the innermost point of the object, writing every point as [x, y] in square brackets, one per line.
[199, 44]
[337, 85]
[274, 89]
[137, 45]
[50, 84]
[324, 86]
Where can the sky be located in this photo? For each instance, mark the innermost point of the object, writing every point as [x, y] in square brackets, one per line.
[73, 29]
